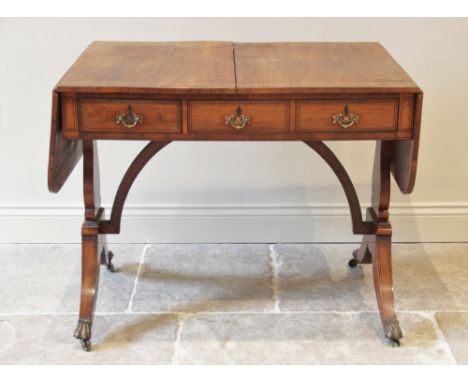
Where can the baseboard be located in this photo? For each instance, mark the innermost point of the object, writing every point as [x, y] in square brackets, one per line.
[435, 222]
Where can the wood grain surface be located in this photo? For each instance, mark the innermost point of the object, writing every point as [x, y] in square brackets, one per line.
[229, 68]
[266, 116]
[319, 68]
[373, 115]
[64, 154]
[157, 116]
[139, 67]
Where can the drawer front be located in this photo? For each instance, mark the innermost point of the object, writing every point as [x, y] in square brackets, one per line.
[263, 117]
[146, 116]
[347, 116]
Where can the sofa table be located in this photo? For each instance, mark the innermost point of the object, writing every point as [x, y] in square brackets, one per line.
[224, 91]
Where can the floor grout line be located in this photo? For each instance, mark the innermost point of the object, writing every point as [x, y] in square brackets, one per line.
[179, 326]
[443, 340]
[274, 268]
[235, 242]
[425, 313]
[140, 267]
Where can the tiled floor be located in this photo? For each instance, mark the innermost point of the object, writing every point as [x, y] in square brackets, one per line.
[233, 303]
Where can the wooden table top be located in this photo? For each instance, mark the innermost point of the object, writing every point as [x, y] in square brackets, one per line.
[236, 68]
[194, 87]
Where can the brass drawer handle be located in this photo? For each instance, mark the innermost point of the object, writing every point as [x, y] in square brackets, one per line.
[238, 120]
[346, 120]
[129, 119]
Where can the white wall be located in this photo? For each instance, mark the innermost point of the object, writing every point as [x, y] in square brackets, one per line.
[197, 191]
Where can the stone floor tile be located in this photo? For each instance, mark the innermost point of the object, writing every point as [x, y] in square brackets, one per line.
[205, 277]
[328, 311]
[38, 278]
[316, 277]
[306, 338]
[419, 284]
[117, 339]
[454, 326]
[451, 262]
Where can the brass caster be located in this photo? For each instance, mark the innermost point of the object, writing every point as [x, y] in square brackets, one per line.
[86, 345]
[352, 263]
[393, 332]
[83, 333]
[109, 265]
[106, 259]
[395, 343]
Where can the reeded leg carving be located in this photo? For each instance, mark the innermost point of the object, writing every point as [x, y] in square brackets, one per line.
[377, 248]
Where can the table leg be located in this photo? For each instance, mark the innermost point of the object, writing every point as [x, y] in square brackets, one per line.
[377, 248]
[363, 255]
[106, 255]
[94, 245]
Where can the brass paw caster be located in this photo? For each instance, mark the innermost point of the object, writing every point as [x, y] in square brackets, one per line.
[86, 345]
[393, 333]
[352, 263]
[109, 265]
[83, 333]
[395, 343]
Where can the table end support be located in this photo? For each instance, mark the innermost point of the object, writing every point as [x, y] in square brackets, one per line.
[93, 245]
[376, 248]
